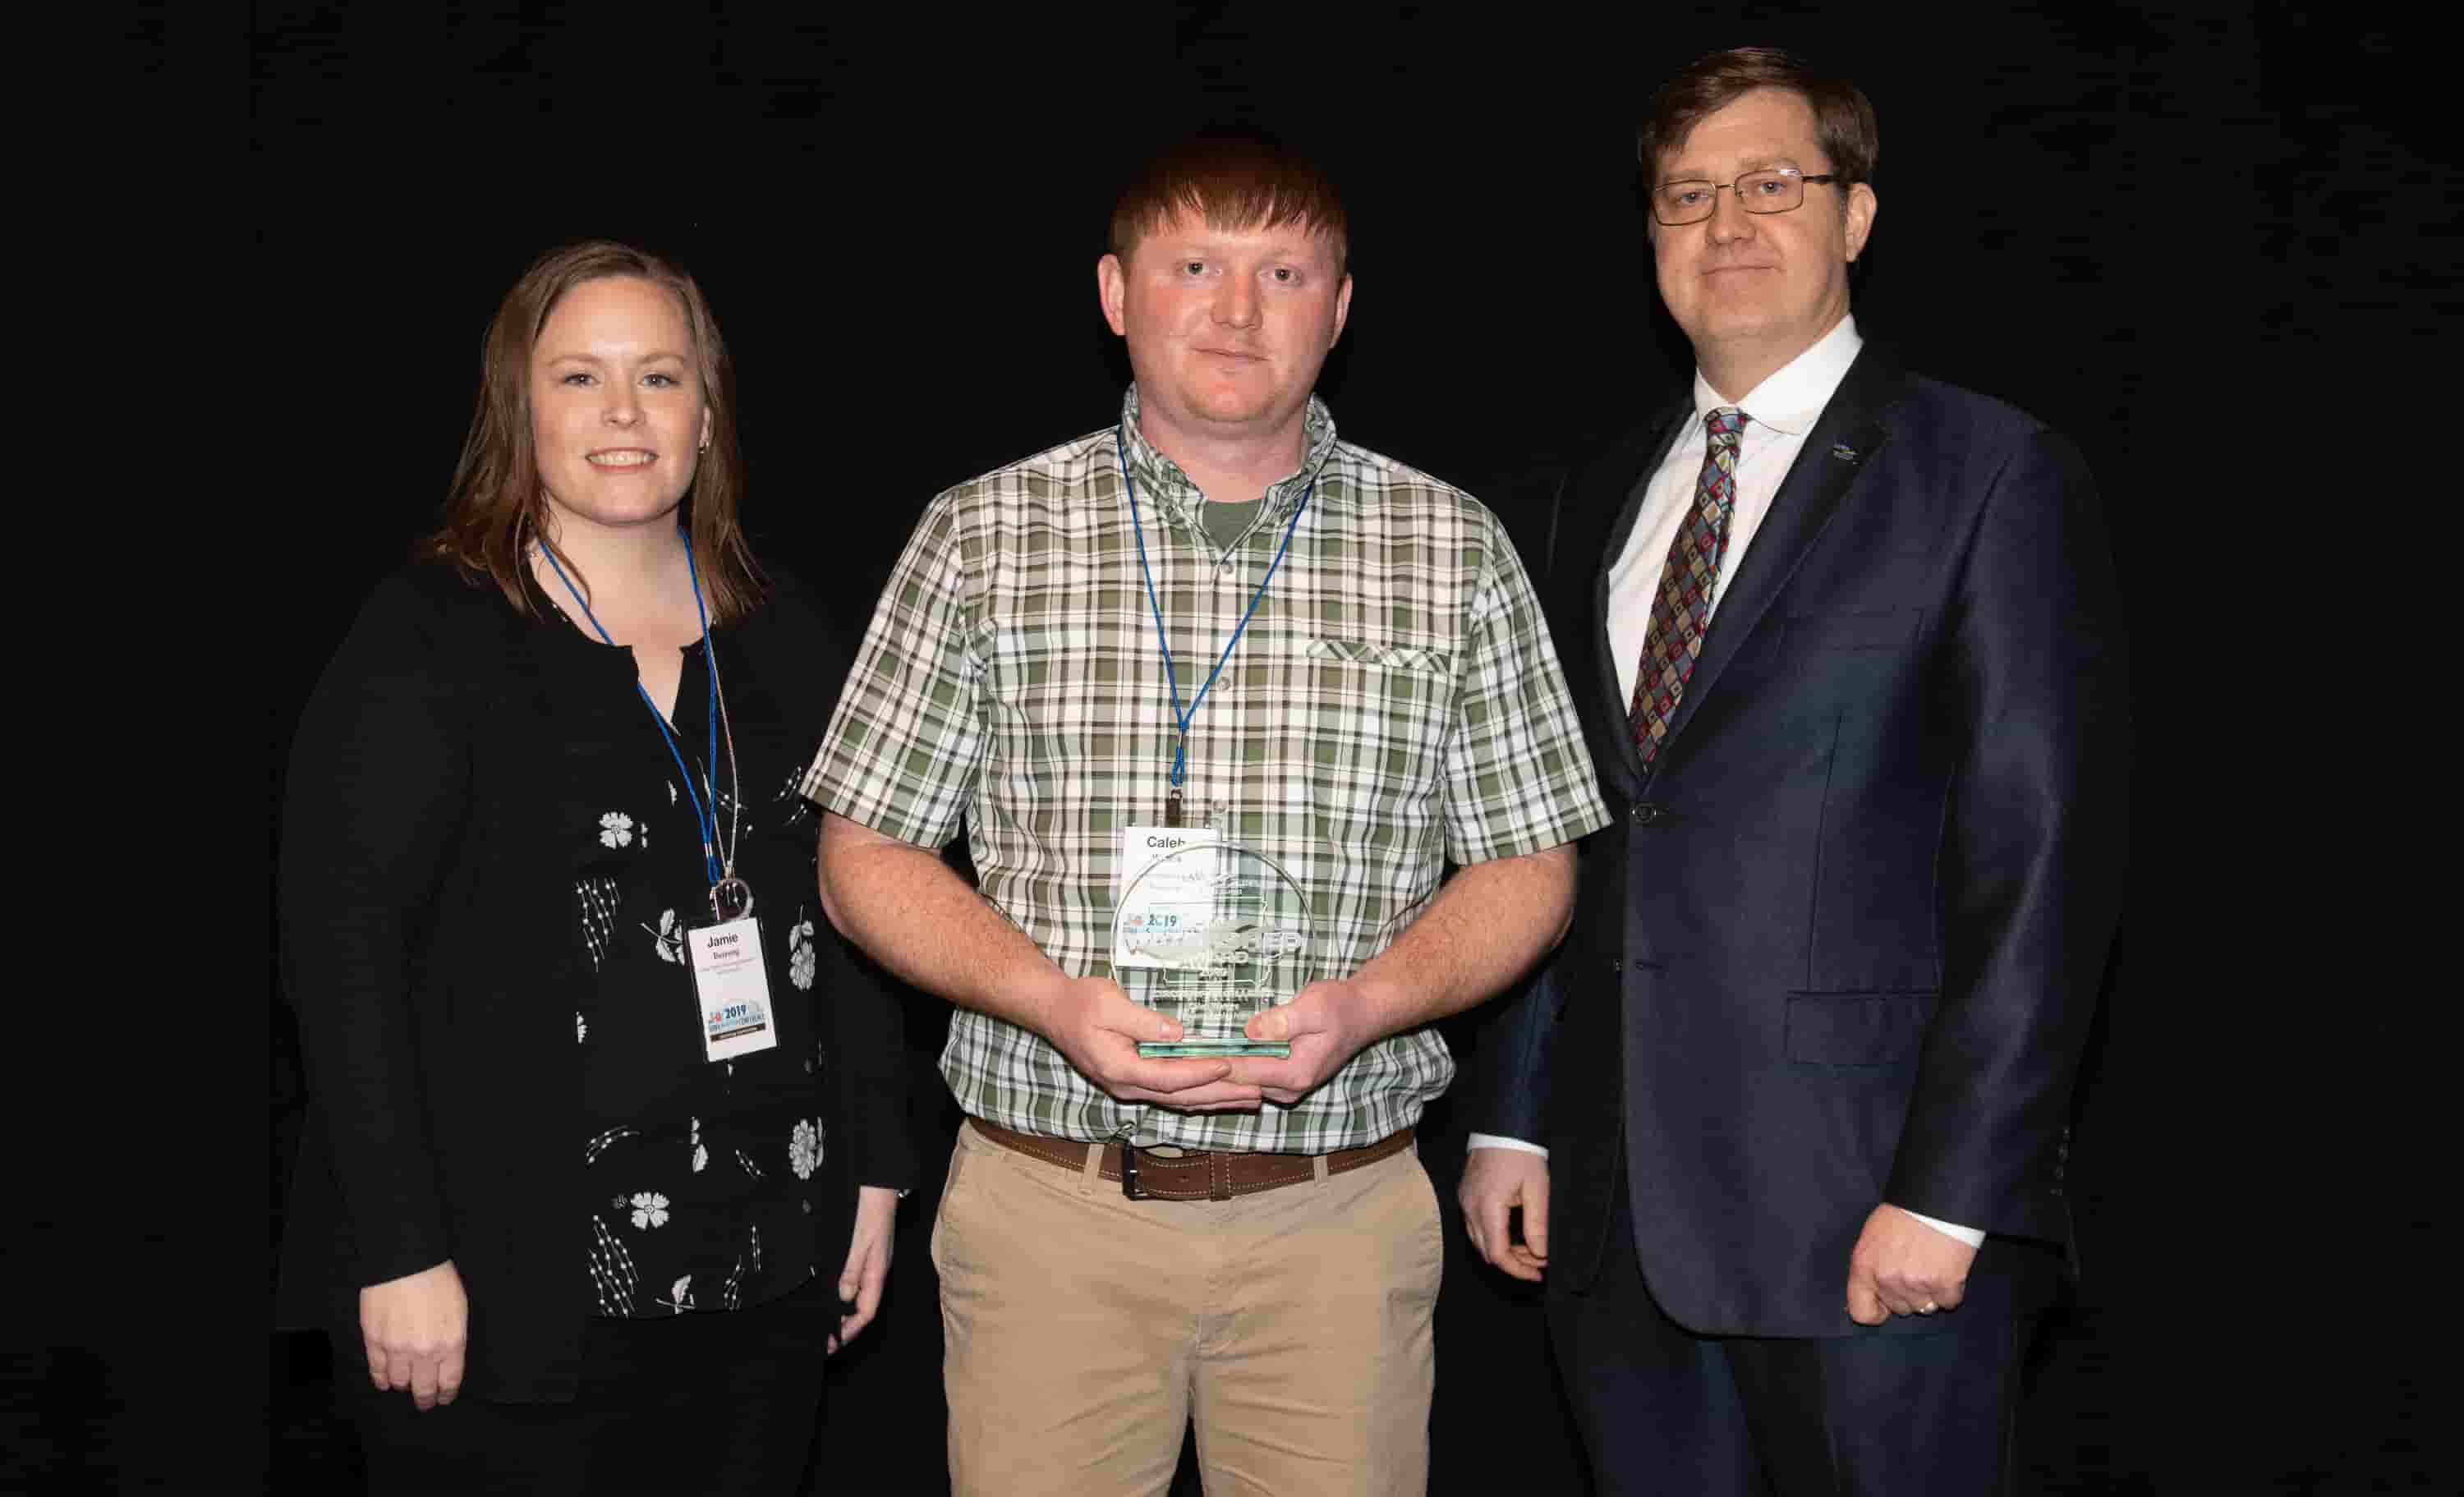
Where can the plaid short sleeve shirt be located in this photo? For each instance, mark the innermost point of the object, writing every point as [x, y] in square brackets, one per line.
[1393, 704]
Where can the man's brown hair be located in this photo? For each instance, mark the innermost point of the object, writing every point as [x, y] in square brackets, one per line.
[498, 506]
[1234, 181]
[1843, 117]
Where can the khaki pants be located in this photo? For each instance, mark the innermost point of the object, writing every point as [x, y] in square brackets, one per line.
[1086, 1329]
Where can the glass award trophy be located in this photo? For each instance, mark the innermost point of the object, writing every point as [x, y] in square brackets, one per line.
[1222, 934]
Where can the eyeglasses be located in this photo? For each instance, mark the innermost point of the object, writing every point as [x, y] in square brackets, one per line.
[1692, 201]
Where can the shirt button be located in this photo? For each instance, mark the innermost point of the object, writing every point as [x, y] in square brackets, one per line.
[1647, 814]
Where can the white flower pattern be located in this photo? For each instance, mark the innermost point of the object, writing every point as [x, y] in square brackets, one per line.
[799, 954]
[650, 1209]
[581, 1028]
[804, 1148]
[679, 1295]
[669, 939]
[616, 830]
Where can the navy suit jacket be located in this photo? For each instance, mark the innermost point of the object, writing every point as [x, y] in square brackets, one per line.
[1842, 942]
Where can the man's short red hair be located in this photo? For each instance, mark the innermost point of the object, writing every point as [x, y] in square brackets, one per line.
[1232, 182]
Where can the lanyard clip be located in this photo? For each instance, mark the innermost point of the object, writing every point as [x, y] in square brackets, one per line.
[731, 898]
[1129, 1171]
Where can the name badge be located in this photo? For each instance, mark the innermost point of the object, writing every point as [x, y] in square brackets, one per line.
[1141, 848]
[731, 985]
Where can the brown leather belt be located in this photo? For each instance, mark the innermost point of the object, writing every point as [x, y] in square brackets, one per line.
[1192, 1174]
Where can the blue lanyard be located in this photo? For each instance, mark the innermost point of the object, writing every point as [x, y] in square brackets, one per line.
[1182, 719]
[707, 820]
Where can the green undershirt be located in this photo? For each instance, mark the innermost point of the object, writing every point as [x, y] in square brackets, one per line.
[1225, 522]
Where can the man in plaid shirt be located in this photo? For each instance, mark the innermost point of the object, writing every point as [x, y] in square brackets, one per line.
[1061, 648]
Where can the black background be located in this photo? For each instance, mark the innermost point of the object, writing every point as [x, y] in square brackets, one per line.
[2105, 214]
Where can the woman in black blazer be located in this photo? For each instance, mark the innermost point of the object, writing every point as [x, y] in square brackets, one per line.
[606, 1127]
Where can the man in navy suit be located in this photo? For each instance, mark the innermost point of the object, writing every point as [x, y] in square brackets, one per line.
[1786, 1115]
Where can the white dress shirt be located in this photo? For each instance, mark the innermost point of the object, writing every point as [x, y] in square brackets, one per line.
[1779, 412]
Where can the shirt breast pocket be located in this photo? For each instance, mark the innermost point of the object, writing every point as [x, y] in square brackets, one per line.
[1419, 659]
[1377, 718]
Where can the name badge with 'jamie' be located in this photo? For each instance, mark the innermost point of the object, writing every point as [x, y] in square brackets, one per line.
[732, 984]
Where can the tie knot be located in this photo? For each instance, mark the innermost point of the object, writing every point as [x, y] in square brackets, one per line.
[1725, 423]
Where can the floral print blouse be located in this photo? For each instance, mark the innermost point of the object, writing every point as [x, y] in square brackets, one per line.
[702, 1179]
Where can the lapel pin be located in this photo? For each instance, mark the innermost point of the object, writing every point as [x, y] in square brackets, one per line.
[1843, 451]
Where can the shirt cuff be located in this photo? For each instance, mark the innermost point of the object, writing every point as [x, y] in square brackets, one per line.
[1492, 1141]
[1973, 1236]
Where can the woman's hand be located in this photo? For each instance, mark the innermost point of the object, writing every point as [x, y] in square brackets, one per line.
[867, 1263]
[416, 1327]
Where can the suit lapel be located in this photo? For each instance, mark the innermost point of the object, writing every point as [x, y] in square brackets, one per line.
[1617, 487]
[1843, 440]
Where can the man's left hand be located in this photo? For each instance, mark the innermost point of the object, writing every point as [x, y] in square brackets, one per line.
[1326, 1023]
[1901, 1267]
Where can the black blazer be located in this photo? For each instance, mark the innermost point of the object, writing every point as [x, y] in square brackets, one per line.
[429, 954]
[1842, 942]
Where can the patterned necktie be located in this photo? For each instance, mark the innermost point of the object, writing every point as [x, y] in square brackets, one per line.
[1681, 610]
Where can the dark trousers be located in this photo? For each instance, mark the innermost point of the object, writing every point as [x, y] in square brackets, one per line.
[707, 1402]
[1666, 1411]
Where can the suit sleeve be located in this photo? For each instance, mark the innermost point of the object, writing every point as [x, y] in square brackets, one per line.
[376, 796]
[1506, 1085]
[2033, 848]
